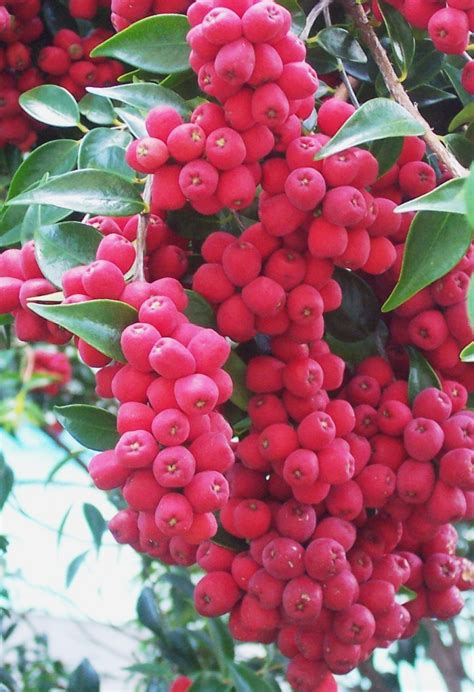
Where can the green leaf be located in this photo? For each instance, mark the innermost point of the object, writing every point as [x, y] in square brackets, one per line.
[237, 369]
[157, 44]
[428, 95]
[452, 69]
[199, 311]
[62, 246]
[93, 427]
[72, 570]
[227, 540]
[467, 354]
[298, 17]
[51, 104]
[142, 95]
[104, 149]
[84, 678]
[147, 612]
[406, 594]
[434, 245]
[421, 374]
[358, 315]
[463, 117]
[99, 322]
[322, 61]
[19, 223]
[245, 680]
[379, 118]
[62, 525]
[402, 41]
[426, 64]
[97, 109]
[461, 147]
[6, 481]
[207, 680]
[339, 43]
[133, 120]
[95, 521]
[386, 151]
[448, 197]
[87, 191]
[222, 639]
[354, 352]
[469, 197]
[54, 158]
[56, 16]
[470, 301]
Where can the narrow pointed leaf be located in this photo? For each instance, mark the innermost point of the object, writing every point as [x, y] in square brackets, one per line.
[435, 244]
[72, 570]
[96, 523]
[379, 118]
[463, 117]
[236, 368]
[99, 322]
[421, 374]
[62, 246]
[88, 191]
[467, 354]
[157, 44]
[142, 95]
[52, 105]
[402, 41]
[448, 197]
[84, 679]
[91, 426]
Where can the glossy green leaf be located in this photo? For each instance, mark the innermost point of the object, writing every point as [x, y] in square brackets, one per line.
[421, 374]
[52, 158]
[97, 109]
[358, 315]
[62, 246]
[147, 611]
[386, 151]
[88, 191]
[466, 115]
[448, 197]
[71, 572]
[93, 427]
[246, 680]
[469, 197]
[341, 44]
[467, 354]
[6, 481]
[402, 42]
[157, 44]
[227, 540]
[322, 61]
[428, 95]
[379, 118]
[470, 301]
[133, 120]
[99, 322]
[199, 311]
[461, 147]
[426, 64]
[95, 522]
[237, 369]
[52, 105]
[104, 149]
[452, 69]
[434, 245]
[84, 678]
[142, 95]
[15, 221]
[298, 17]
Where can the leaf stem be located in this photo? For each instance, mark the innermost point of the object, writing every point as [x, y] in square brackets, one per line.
[398, 93]
[82, 128]
[312, 17]
[340, 64]
[139, 274]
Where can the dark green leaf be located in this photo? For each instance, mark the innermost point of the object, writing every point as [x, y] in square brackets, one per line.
[298, 17]
[91, 426]
[358, 315]
[322, 61]
[207, 681]
[467, 354]
[104, 149]
[147, 611]
[199, 311]
[183, 83]
[452, 68]
[97, 109]
[88, 191]
[469, 197]
[56, 16]
[62, 246]
[237, 369]
[54, 158]
[52, 105]
[62, 525]
[222, 639]
[245, 680]
[463, 117]
[157, 44]
[386, 151]
[426, 64]
[379, 118]
[84, 678]
[20, 223]
[435, 244]
[428, 95]
[339, 43]
[448, 197]
[461, 147]
[148, 669]
[421, 374]
[354, 352]
[402, 41]
[95, 521]
[72, 570]
[181, 583]
[226, 540]
[99, 322]
[142, 95]
[6, 481]
[133, 120]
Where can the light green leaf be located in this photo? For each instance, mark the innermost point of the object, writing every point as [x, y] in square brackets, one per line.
[157, 44]
[97, 109]
[142, 95]
[93, 427]
[341, 44]
[104, 149]
[470, 301]
[53, 158]
[435, 244]
[99, 322]
[133, 120]
[466, 115]
[469, 197]
[448, 197]
[379, 118]
[421, 374]
[62, 246]
[20, 223]
[51, 104]
[88, 191]
[71, 572]
[467, 354]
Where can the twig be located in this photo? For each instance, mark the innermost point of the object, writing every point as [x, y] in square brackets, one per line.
[340, 65]
[342, 92]
[139, 273]
[312, 17]
[396, 89]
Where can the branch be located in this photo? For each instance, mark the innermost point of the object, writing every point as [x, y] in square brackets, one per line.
[139, 274]
[396, 89]
[443, 658]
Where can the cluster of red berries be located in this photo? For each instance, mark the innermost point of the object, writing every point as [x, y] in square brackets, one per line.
[23, 66]
[55, 365]
[125, 12]
[448, 24]
[86, 9]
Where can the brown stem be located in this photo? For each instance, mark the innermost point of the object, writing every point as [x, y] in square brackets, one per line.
[139, 274]
[342, 92]
[396, 89]
[443, 658]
